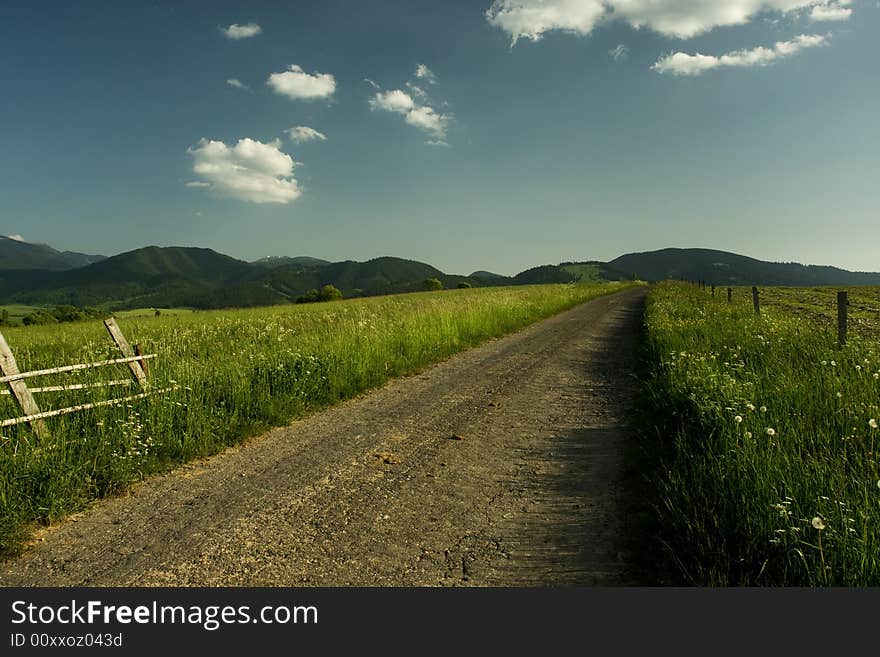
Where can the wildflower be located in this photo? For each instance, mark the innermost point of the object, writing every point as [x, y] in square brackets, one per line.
[738, 419]
[818, 523]
[833, 364]
[872, 423]
[763, 409]
[771, 431]
[876, 375]
[824, 362]
[839, 395]
[751, 407]
[858, 368]
[748, 434]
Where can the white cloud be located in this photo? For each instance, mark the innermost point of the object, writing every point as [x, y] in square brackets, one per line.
[392, 101]
[303, 133]
[680, 63]
[424, 117]
[249, 171]
[530, 19]
[417, 91]
[238, 84]
[236, 31]
[16, 237]
[371, 83]
[831, 12]
[299, 85]
[436, 142]
[424, 73]
[427, 119]
[197, 183]
[619, 52]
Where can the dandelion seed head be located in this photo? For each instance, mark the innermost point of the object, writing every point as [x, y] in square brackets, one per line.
[817, 523]
[771, 431]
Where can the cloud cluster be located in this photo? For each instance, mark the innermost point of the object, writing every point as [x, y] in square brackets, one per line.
[249, 171]
[235, 82]
[680, 63]
[417, 111]
[530, 19]
[299, 85]
[302, 133]
[236, 31]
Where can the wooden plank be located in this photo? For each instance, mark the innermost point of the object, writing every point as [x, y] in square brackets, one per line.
[77, 386]
[19, 388]
[81, 407]
[136, 370]
[72, 368]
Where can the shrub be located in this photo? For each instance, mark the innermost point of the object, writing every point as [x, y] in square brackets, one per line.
[432, 284]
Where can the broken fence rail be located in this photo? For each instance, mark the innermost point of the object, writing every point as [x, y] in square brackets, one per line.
[23, 395]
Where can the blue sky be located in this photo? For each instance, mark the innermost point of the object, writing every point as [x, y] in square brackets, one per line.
[471, 135]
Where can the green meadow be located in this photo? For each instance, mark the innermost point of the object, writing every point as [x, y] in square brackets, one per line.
[762, 437]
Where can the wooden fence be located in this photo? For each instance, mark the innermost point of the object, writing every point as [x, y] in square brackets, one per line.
[842, 306]
[24, 396]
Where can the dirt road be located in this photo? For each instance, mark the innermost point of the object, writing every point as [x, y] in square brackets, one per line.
[501, 466]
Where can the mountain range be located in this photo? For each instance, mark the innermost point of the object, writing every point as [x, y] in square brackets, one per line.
[163, 277]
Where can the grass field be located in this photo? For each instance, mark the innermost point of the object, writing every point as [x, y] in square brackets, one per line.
[17, 312]
[238, 372]
[763, 435]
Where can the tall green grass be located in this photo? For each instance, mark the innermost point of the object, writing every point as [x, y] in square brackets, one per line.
[764, 434]
[238, 373]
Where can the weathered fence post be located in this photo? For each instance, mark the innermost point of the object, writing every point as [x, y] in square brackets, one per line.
[842, 304]
[8, 367]
[713, 290]
[755, 300]
[729, 294]
[137, 371]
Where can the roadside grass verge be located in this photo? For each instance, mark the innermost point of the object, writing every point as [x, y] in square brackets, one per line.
[761, 434]
[238, 373]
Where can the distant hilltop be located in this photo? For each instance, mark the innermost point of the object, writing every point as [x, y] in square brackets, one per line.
[165, 277]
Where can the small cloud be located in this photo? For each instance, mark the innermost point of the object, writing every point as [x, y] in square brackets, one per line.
[238, 84]
[437, 142]
[830, 12]
[250, 171]
[237, 32]
[299, 85]
[392, 101]
[427, 119]
[619, 53]
[683, 64]
[371, 83]
[420, 116]
[301, 134]
[198, 213]
[197, 183]
[16, 237]
[426, 74]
